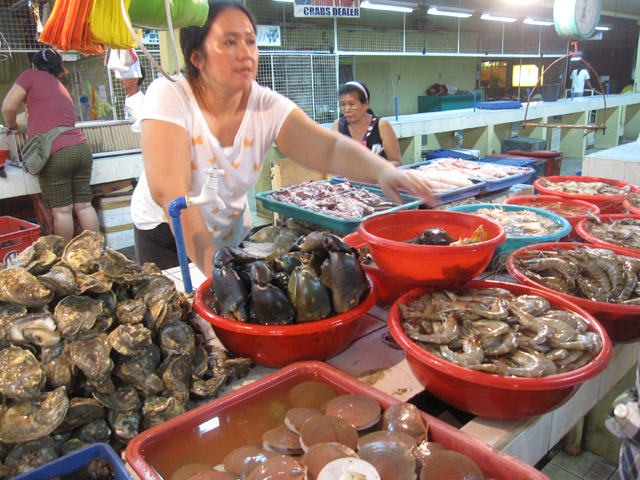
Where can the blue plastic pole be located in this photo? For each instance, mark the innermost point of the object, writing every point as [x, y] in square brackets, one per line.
[475, 98]
[607, 89]
[175, 208]
[395, 99]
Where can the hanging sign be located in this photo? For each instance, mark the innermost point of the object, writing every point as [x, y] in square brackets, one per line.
[326, 8]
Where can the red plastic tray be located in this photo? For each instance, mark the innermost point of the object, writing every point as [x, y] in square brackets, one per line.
[157, 442]
[15, 236]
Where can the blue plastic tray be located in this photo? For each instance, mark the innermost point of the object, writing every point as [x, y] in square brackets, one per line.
[489, 185]
[327, 221]
[76, 460]
[443, 197]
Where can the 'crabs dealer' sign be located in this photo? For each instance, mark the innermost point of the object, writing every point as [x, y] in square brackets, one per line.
[326, 8]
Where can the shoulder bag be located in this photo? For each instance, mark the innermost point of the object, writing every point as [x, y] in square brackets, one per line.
[35, 153]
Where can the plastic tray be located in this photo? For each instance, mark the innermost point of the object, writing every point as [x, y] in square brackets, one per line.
[15, 236]
[75, 460]
[443, 197]
[327, 221]
[489, 185]
[147, 451]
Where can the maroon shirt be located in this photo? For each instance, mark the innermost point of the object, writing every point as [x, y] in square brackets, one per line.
[49, 105]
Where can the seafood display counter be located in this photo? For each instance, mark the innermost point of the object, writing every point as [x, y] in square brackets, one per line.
[376, 360]
[619, 163]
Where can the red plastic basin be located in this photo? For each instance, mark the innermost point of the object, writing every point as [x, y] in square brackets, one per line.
[546, 202]
[610, 218]
[622, 322]
[389, 288]
[606, 203]
[631, 208]
[280, 345]
[152, 453]
[496, 396]
[387, 235]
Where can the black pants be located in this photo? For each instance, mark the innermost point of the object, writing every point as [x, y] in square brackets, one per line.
[157, 246]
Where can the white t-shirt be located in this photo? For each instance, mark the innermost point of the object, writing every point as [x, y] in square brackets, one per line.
[133, 106]
[578, 79]
[265, 113]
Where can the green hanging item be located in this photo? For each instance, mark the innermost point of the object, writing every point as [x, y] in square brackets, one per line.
[152, 13]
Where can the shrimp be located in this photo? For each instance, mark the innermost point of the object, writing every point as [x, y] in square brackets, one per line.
[445, 332]
[530, 365]
[532, 304]
[585, 341]
[581, 361]
[508, 344]
[630, 279]
[543, 330]
[563, 331]
[489, 328]
[572, 319]
[472, 353]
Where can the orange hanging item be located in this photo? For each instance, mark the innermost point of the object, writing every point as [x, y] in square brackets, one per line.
[68, 29]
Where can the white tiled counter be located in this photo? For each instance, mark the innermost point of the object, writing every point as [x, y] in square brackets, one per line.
[377, 362]
[619, 163]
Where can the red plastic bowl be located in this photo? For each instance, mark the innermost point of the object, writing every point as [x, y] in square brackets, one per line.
[490, 395]
[152, 454]
[582, 231]
[280, 345]
[622, 322]
[631, 208]
[606, 203]
[541, 201]
[387, 235]
[389, 288]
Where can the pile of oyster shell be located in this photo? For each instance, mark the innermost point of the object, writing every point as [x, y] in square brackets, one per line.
[95, 348]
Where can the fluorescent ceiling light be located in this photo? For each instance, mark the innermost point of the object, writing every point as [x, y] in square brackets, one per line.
[531, 21]
[390, 8]
[449, 12]
[486, 16]
[604, 29]
[575, 58]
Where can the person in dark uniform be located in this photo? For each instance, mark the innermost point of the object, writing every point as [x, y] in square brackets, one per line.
[359, 122]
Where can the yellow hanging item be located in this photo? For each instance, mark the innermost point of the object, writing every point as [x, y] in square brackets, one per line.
[107, 25]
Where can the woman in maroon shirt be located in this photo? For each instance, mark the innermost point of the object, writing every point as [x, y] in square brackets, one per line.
[64, 181]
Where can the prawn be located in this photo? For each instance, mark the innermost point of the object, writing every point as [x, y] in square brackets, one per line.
[472, 353]
[444, 332]
[508, 344]
[532, 304]
[530, 365]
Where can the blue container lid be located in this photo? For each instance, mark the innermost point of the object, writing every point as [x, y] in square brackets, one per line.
[73, 461]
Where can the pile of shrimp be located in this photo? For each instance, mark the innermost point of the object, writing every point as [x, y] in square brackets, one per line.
[495, 331]
[623, 231]
[520, 223]
[585, 188]
[593, 273]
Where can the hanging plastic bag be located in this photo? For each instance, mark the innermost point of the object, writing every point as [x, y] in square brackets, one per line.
[107, 25]
[121, 60]
[152, 13]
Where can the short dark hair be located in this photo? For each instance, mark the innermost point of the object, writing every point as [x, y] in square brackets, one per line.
[355, 87]
[48, 60]
[192, 38]
[143, 74]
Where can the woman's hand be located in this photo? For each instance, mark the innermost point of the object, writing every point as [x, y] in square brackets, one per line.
[392, 181]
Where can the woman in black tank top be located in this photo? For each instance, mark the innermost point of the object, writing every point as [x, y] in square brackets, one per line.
[359, 122]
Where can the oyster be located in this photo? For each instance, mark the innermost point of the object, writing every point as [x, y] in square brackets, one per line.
[206, 388]
[131, 311]
[94, 432]
[7, 314]
[157, 293]
[91, 355]
[21, 288]
[199, 361]
[76, 315]
[27, 456]
[176, 338]
[82, 252]
[26, 421]
[80, 412]
[124, 398]
[41, 255]
[95, 283]
[21, 376]
[60, 280]
[129, 339]
[125, 425]
[58, 366]
[139, 371]
[37, 328]
[118, 268]
[176, 376]
[160, 409]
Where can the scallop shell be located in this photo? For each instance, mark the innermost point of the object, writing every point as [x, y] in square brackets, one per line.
[361, 411]
[311, 394]
[320, 454]
[296, 416]
[325, 428]
[399, 438]
[450, 464]
[282, 440]
[238, 458]
[424, 450]
[281, 467]
[392, 461]
[406, 418]
[349, 469]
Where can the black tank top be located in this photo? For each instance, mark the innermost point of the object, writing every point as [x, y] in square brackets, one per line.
[370, 138]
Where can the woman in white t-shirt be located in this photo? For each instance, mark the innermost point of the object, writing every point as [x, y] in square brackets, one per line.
[218, 116]
[579, 78]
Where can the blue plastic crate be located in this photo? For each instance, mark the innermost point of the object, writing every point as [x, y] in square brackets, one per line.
[340, 225]
[75, 460]
[538, 167]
